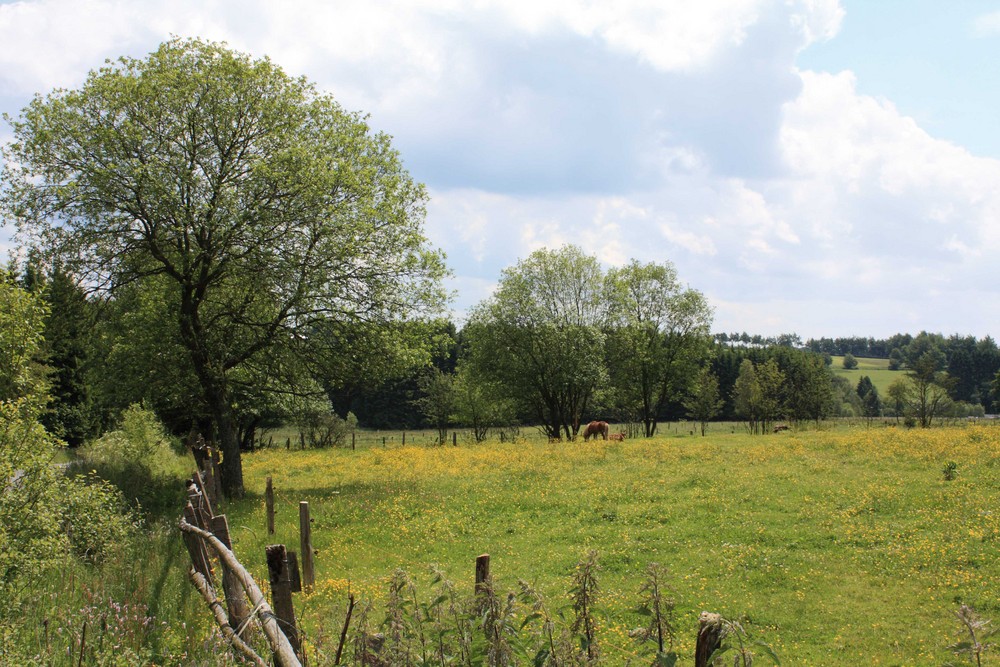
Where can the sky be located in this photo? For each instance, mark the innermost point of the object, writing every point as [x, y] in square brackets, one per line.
[815, 167]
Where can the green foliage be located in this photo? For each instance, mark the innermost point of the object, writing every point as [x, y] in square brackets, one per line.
[265, 211]
[140, 459]
[480, 404]
[319, 425]
[950, 471]
[871, 404]
[43, 515]
[70, 414]
[567, 342]
[757, 394]
[735, 641]
[660, 630]
[21, 334]
[584, 594]
[850, 363]
[540, 338]
[439, 401]
[657, 337]
[703, 401]
[95, 518]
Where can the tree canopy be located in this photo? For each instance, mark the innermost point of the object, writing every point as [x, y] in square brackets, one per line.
[540, 336]
[268, 210]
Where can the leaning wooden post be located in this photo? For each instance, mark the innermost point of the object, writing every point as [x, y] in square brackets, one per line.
[205, 499]
[709, 638]
[236, 599]
[283, 653]
[269, 505]
[281, 594]
[305, 545]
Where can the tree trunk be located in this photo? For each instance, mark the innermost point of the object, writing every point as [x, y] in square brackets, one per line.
[232, 465]
[228, 442]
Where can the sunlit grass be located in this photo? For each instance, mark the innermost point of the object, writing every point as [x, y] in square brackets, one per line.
[841, 547]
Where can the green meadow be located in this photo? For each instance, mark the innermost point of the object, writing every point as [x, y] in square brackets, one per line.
[834, 547]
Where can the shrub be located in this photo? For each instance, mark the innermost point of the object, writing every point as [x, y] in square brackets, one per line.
[139, 459]
[95, 517]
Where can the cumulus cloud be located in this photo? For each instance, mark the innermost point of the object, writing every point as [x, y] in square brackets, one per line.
[987, 25]
[656, 130]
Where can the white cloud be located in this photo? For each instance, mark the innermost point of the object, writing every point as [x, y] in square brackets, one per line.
[986, 25]
[650, 129]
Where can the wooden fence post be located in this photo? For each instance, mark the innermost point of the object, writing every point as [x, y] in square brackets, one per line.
[204, 496]
[482, 573]
[404, 438]
[281, 594]
[353, 434]
[196, 548]
[210, 483]
[236, 599]
[454, 438]
[305, 545]
[269, 505]
[709, 637]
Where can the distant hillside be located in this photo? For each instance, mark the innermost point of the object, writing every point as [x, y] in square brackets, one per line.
[876, 369]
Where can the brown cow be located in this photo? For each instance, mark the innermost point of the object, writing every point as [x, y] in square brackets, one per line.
[620, 436]
[595, 429]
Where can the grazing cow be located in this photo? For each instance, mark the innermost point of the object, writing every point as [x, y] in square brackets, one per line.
[620, 436]
[778, 428]
[595, 429]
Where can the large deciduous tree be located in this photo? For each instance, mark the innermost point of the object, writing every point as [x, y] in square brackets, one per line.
[541, 337]
[266, 207]
[657, 337]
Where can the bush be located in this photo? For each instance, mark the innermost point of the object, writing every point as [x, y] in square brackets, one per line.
[140, 460]
[326, 429]
[850, 363]
[95, 517]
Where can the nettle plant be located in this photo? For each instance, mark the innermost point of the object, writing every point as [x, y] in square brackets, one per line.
[493, 629]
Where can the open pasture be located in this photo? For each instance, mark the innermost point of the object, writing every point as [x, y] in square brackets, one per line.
[840, 547]
[876, 369]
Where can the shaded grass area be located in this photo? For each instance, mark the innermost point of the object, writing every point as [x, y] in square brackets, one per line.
[838, 547]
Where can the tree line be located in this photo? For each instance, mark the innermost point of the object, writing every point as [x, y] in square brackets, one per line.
[226, 244]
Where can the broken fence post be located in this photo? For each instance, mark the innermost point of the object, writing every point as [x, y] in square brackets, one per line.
[709, 637]
[281, 594]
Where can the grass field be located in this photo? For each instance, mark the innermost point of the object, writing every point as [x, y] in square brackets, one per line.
[876, 369]
[835, 546]
[838, 548]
